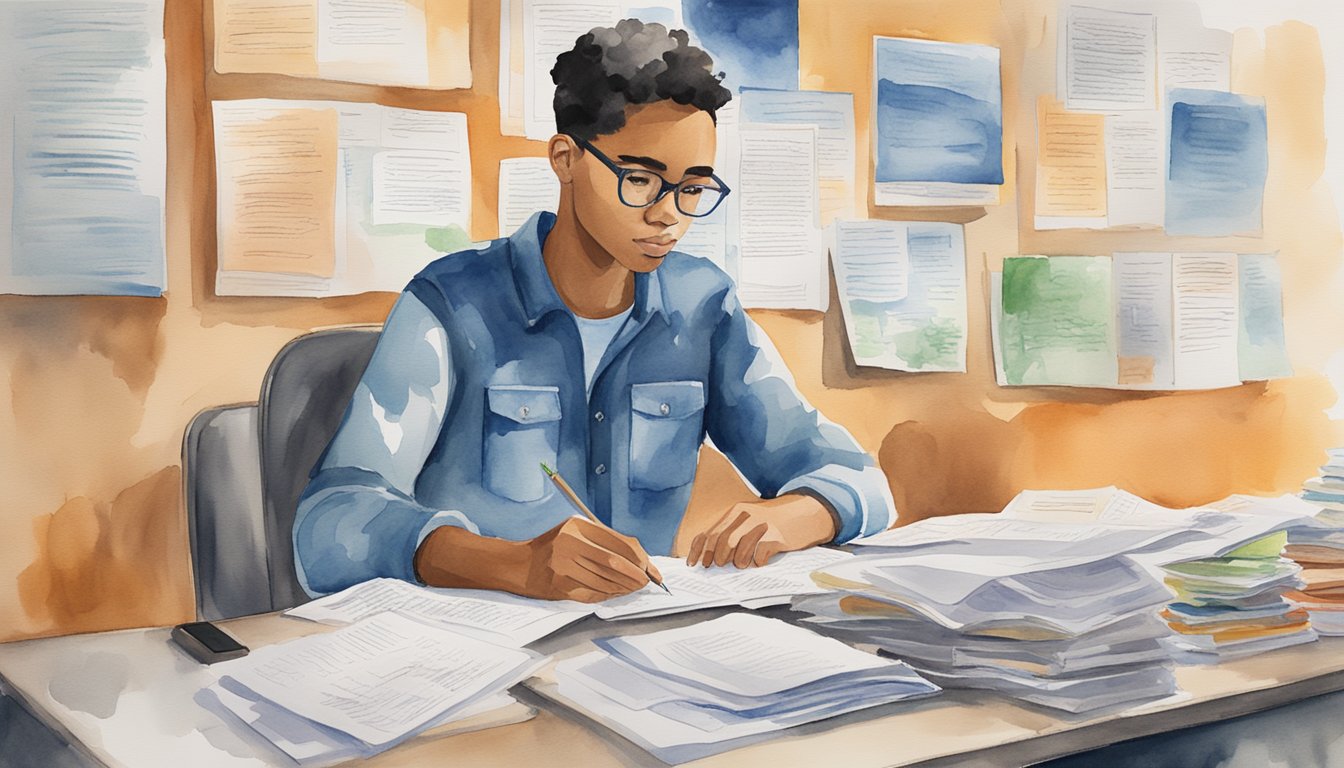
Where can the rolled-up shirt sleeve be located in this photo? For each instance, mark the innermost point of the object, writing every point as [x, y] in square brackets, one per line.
[779, 442]
[357, 518]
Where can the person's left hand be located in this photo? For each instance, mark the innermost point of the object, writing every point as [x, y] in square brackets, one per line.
[750, 533]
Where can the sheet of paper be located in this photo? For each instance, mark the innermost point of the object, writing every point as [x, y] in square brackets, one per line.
[1218, 162]
[82, 158]
[745, 654]
[782, 258]
[833, 114]
[938, 121]
[995, 322]
[494, 616]
[1057, 324]
[1261, 348]
[903, 293]
[695, 587]
[512, 67]
[276, 168]
[1109, 58]
[1070, 168]
[526, 185]
[401, 199]
[1143, 320]
[381, 678]
[381, 42]
[1136, 164]
[266, 36]
[373, 41]
[1205, 291]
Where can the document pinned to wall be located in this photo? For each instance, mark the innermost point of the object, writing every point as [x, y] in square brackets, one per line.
[1070, 168]
[1109, 59]
[391, 194]
[1057, 325]
[938, 121]
[1182, 321]
[82, 158]
[381, 42]
[1262, 351]
[902, 290]
[1219, 160]
[526, 185]
[833, 114]
[782, 262]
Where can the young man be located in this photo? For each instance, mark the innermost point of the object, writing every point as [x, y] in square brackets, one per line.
[586, 343]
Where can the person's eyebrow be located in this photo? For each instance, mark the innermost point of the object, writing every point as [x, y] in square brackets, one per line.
[699, 170]
[647, 162]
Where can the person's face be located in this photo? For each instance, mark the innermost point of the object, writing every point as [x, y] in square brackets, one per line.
[669, 139]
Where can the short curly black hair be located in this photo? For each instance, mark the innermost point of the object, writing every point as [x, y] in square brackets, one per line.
[635, 63]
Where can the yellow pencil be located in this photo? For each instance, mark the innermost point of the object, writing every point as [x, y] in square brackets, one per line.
[588, 513]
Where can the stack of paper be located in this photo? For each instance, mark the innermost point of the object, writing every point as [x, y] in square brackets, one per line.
[1320, 550]
[1235, 605]
[702, 689]
[1077, 634]
[367, 687]
[694, 587]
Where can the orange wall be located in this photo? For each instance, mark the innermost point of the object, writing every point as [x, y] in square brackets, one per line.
[92, 532]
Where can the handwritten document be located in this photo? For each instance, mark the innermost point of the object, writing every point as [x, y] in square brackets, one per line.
[1205, 307]
[526, 185]
[1070, 168]
[1110, 59]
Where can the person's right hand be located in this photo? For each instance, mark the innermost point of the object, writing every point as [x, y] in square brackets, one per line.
[581, 560]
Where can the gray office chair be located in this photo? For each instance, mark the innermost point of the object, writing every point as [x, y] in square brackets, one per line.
[303, 398]
[222, 478]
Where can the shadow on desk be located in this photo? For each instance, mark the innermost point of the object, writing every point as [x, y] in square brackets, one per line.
[26, 743]
[1307, 734]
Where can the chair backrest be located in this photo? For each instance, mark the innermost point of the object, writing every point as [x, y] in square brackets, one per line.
[221, 474]
[303, 399]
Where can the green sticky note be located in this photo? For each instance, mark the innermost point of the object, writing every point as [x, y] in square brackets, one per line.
[1270, 546]
[1057, 324]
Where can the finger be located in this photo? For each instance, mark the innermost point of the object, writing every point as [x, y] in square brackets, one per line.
[623, 546]
[745, 551]
[698, 543]
[653, 572]
[573, 590]
[697, 546]
[764, 551]
[734, 518]
[723, 548]
[587, 579]
[597, 576]
[619, 572]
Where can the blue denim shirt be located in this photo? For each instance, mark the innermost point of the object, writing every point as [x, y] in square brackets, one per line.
[478, 378]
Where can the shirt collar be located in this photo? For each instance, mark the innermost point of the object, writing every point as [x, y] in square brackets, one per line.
[538, 293]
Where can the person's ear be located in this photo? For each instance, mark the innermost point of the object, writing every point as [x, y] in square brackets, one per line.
[563, 154]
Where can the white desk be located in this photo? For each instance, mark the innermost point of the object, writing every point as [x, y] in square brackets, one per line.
[127, 698]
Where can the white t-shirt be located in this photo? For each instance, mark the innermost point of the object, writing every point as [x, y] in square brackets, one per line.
[597, 335]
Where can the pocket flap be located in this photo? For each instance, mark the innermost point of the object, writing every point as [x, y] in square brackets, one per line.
[668, 399]
[524, 404]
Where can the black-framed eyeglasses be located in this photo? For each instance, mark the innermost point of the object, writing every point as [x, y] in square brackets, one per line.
[639, 188]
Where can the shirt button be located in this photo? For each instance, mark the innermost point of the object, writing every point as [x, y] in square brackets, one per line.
[599, 416]
[522, 412]
[600, 469]
[664, 409]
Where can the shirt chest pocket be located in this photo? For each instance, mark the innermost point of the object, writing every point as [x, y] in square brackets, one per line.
[522, 428]
[666, 419]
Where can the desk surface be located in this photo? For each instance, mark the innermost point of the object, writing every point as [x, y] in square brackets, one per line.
[127, 698]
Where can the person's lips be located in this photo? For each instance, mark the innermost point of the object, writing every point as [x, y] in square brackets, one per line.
[656, 247]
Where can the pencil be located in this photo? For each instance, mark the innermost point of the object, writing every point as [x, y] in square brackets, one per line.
[588, 513]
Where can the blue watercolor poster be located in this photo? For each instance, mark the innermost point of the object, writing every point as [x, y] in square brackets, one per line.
[1217, 161]
[754, 41]
[939, 112]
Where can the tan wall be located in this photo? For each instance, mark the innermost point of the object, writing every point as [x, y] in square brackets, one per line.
[92, 533]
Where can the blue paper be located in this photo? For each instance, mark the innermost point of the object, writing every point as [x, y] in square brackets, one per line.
[1262, 351]
[1217, 162]
[939, 112]
[754, 42]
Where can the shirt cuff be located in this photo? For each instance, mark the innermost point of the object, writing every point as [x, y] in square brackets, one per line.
[860, 497]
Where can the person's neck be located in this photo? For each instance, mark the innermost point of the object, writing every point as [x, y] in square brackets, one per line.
[589, 280]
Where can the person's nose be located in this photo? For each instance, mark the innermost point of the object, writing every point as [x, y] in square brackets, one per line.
[664, 212]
